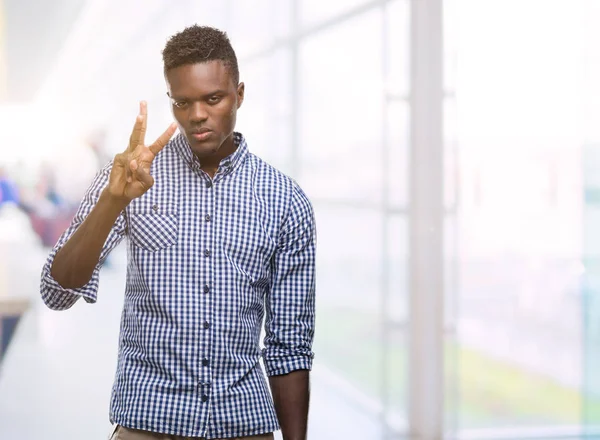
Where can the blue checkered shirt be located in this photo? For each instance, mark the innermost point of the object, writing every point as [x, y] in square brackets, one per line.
[208, 259]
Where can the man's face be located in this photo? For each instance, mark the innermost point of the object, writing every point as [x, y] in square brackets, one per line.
[205, 100]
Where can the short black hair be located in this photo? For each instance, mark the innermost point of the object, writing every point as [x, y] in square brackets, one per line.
[199, 44]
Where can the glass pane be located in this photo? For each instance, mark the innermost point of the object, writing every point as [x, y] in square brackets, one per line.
[591, 286]
[398, 154]
[451, 34]
[349, 274]
[255, 25]
[591, 180]
[360, 337]
[451, 152]
[396, 247]
[519, 226]
[315, 11]
[395, 311]
[341, 111]
[397, 21]
[395, 381]
[591, 62]
[519, 260]
[266, 115]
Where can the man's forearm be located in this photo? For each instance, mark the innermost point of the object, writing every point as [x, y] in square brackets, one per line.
[291, 395]
[75, 262]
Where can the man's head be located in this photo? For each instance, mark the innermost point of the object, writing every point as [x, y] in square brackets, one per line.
[202, 77]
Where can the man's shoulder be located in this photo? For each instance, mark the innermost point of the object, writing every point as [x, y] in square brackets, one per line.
[274, 177]
[267, 170]
[278, 187]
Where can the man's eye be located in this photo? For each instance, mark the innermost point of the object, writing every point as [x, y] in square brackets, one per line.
[214, 99]
[180, 104]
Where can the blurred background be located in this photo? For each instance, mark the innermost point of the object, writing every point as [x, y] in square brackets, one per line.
[451, 149]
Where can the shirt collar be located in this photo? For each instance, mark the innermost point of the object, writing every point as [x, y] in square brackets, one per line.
[228, 163]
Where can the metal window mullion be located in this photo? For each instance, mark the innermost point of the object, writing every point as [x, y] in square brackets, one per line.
[426, 263]
[385, 241]
[295, 157]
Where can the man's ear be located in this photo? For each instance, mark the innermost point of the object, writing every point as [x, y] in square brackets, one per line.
[241, 88]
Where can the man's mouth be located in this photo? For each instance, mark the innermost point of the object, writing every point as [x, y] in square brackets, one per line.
[202, 134]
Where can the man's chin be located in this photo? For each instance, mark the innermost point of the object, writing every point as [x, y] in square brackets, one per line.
[208, 146]
[204, 149]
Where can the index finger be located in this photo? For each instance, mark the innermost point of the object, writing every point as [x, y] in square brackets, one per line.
[163, 139]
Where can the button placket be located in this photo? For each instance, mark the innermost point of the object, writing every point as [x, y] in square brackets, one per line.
[208, 271]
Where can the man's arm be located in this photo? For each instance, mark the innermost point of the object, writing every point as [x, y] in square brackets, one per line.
[291, 395]
[290, 318]
[75, 262]
[71, 270]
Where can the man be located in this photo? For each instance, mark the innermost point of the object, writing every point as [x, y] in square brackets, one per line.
[217, 239]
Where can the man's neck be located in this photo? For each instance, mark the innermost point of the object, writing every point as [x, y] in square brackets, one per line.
[210, 164]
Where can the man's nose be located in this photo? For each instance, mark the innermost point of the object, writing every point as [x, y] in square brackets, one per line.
[198, 112]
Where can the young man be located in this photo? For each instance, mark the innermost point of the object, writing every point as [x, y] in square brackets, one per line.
[217, 239]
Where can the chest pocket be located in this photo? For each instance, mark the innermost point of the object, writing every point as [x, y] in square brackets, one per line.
[153, 226]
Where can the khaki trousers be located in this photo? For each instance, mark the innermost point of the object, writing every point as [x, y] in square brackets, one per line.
[122, 433]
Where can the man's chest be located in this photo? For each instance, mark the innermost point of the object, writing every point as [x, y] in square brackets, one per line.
[187, 218]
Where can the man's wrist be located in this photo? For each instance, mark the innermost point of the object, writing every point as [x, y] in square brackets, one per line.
[112, 201]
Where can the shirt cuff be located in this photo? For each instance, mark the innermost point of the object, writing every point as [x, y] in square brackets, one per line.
[286, 364]
[59, 297]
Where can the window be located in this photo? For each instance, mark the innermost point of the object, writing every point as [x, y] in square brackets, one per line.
[341, 110]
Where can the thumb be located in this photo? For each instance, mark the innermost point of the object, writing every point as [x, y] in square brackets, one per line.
[133, 166]
[142, 175]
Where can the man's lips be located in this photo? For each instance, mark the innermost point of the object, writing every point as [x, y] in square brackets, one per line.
[201, 135]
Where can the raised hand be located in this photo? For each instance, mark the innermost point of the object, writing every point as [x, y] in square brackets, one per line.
[130, 176]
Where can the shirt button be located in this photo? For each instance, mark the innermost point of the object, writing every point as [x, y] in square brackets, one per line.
[207, 253]
[206, 288]
[205, 362]
[155, 208]
[208, 217]
[209, 183]
[206, 324]
[204, 398]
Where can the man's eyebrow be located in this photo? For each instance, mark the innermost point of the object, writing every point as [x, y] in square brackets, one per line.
[205, 95]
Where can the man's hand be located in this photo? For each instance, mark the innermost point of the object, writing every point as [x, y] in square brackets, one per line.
[130, 176]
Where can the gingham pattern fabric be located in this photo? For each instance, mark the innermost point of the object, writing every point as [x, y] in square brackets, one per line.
[207, 260]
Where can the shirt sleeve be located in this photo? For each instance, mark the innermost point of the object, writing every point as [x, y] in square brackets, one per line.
[290, 302]
[53, 294]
